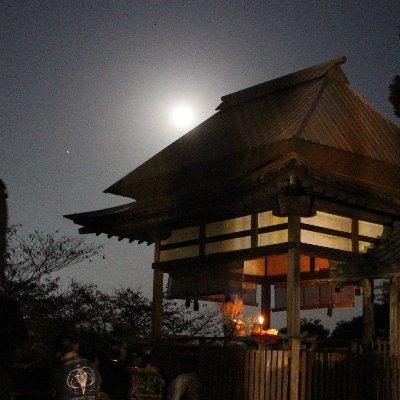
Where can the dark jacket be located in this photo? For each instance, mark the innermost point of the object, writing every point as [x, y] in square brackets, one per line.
[13, 331]
[78, 379]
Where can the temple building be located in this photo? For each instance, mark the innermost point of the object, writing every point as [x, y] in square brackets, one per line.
[294, 183]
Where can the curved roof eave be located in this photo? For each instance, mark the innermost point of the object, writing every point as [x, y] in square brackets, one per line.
[315, 105]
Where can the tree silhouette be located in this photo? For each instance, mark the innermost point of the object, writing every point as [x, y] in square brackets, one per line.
[394, 96]
[394, 91]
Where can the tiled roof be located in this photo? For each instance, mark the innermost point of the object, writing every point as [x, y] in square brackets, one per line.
[314, 105]
[330, 68]
[343, 120]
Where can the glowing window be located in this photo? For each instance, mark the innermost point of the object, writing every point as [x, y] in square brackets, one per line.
[329, 221]
[254, 267]
[364, 246]
[228, 245]
[267, 219]
[277, 264]
[324, 240]
[266, 239]
[369, 229]
[229, 226]
[321, 264]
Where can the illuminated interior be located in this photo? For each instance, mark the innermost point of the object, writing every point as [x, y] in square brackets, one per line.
[242, 233]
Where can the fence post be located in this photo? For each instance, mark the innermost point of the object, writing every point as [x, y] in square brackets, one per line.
[394, 316]
[294, 368]
[368, 312]
[293, 304]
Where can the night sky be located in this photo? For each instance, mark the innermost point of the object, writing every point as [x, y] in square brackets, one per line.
[87, 89]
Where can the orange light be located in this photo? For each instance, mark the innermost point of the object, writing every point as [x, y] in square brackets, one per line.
[260, 319]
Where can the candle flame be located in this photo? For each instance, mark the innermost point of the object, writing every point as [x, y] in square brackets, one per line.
[260, 319]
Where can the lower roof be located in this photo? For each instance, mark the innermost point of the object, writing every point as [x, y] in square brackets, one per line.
[320, 177]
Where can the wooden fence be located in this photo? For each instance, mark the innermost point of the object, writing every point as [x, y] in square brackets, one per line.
[266, 375]
[381, 347]
[236, 373]
[341, 376]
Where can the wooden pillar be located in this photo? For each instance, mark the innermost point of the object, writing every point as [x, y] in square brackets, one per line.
[395, 316]
[266, 304]
[368, 312]
[157, 297]
[293, 279]
[293, 304]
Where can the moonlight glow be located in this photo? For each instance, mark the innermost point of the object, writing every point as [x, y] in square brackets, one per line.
[182, 116]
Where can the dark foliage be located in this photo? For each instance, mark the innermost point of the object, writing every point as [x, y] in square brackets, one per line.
[394, 96]
[352, 329]
[313, 327]
[82, 310]
[394, 90]
[31, 260]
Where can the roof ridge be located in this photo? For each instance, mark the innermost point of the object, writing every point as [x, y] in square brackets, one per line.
[280, 83]
[312, 108]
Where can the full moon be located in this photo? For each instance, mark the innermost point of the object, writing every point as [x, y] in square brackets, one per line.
[182, 116]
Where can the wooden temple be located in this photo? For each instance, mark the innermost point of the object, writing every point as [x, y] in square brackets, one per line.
[294, 182]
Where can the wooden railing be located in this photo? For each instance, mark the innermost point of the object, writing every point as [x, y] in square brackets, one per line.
[380, 347]
[236, 373]
[332, 376]
[266, 374]
[233, 371]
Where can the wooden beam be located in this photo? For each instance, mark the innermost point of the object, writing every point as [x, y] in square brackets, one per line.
[254, 231]
[327, 231]
[394, 298]
[246, 254]
[222, 258]
[305, 276]
[354, 235]
[202, 240]
[351, 212]
[368, 312]
[336, 188]
[300, 205]
[293, 305]
[329, 253]
[266, 304]
[157, 297]
[293, 279]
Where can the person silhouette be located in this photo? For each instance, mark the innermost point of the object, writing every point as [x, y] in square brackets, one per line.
[13, 333]
[78, 378]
